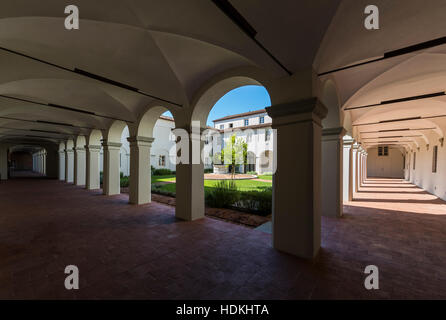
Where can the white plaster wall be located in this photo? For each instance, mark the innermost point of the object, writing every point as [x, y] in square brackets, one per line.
[423, 176]
[390, 166]
[240, 122]
[163, 144]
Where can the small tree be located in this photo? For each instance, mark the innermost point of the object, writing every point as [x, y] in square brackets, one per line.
[234, 153]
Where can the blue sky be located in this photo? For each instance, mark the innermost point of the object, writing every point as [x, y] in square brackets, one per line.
[243, 99]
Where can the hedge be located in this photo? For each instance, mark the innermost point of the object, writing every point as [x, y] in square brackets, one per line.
[226, 195]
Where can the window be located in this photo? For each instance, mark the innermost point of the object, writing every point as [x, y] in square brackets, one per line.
[162, 161]
[222, 126]
[246, 122]
[231, 125]
[267, 135]
[383, 151]
[434, 159]
[414, 159]
[262, 119]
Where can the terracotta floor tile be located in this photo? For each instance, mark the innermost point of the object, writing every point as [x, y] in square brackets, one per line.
[143, 252]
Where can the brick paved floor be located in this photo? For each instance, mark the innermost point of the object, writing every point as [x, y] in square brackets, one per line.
[143, 252]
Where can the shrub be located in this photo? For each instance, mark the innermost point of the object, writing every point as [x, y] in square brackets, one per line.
[158, 190]
[256, 201]
[208, 170]
[152, 170]
[124, 181]
[162, 172]
[223, 195]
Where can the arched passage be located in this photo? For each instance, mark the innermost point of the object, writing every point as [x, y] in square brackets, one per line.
[61, 153]
[190, 176]
[23, 160]
[150, 137]
[93, 148]
[111, 148]
[79, 161]
[69, 161]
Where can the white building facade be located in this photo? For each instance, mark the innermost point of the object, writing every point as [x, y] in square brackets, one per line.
[252, 127]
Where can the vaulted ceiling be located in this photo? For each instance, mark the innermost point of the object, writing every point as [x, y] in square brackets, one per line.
[166, 50]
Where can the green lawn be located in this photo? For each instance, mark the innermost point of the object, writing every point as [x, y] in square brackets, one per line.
[163, 178]
[266, 177]
[242, 185]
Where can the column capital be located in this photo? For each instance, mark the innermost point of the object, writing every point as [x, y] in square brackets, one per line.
[348, 141]
[333, 133]
[78, 149]
[92, 147]
[111, 145]
[68, 150]
[140, 141]
[300, 111]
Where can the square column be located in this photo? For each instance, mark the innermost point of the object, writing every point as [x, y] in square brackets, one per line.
[347, 154]
[359, 169]
[332, 168]
[362, 166]
[297, 180]
[190, 181]
[353, 171]
[43, 162]
[61, 165]
[140, 173]
[92, 167]
[79, 166]
[365, 165]
[69, 166]
[3, 163]
[111, 179]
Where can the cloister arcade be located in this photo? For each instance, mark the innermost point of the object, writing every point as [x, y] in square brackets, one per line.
[334, 97]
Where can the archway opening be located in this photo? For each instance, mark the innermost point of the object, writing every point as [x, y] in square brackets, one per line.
[236, 130]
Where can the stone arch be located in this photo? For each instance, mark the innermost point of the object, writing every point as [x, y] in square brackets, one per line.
[69, 144]
[80, 142]
[94, 138]
[61, 146]
[208, 95]
[147, 122]
[114, 132]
